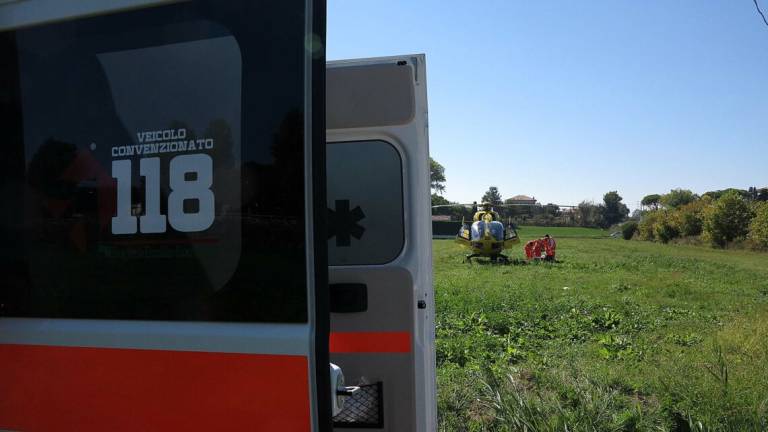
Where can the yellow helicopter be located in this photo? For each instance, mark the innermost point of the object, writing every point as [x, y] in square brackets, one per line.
[486, 236]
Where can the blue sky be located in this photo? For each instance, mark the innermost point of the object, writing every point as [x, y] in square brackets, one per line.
[566, 100]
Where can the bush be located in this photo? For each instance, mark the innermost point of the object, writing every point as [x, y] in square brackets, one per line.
[758, 228]
[690, 224]
[690, 217]
[666, 229]
[658, 225]
[645, 227]
[628, 230]
[727, 219]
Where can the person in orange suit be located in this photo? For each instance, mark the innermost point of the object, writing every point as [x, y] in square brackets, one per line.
[538, 245]
[529, 249]
[549, 247]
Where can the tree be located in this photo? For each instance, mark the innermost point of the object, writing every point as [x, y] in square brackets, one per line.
[727, 219]
[613, 211]
[646, 229]
[492, 196]
[439, 200]
[637, 214]
[551, 210]
[690, 217]
[752, 191]
[652, 201]
[589, 214]
[762, 194]
[758, 228]
[436, 176]
[716, 195]
[678, 197]
[665, 228]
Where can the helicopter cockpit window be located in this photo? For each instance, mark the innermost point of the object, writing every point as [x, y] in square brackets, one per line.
[478, 228]
[497, 230]
[495, 227]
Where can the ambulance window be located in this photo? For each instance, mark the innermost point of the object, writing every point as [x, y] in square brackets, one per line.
[365, 203]
[132, 189]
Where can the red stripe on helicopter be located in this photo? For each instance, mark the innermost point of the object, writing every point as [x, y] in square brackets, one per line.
[105, 389]
[370, 342]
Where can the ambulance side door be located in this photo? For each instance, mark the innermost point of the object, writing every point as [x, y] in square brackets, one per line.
[379, 241]
[160, 170]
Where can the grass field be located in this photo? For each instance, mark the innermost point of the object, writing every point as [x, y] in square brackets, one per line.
[619, 335]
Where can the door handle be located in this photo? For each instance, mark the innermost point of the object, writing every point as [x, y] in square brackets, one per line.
[347, 390]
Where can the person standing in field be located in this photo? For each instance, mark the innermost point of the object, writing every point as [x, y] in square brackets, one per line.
[549, 247]
[487, 209]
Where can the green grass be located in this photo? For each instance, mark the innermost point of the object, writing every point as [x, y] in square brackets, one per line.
[617, 336]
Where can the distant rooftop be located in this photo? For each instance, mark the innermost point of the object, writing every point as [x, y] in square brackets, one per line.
[522, 198]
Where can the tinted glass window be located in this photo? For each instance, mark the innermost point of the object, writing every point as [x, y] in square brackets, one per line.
[365, 203]
[496, 229]
[478, 228]
[154, 162]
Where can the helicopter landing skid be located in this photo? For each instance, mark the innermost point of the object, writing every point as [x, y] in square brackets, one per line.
[501, 259]
[468, 258]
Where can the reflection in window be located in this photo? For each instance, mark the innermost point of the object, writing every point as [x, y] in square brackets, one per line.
[365, 203]
[115, 102]
[496, 229]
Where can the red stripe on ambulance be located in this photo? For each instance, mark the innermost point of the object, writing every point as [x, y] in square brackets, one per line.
[370, 342]
[100, 389]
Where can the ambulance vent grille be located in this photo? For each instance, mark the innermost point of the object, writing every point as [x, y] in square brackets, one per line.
[364, 409]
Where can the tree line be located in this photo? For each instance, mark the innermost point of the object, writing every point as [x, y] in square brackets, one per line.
[719, 218]
[609, 212]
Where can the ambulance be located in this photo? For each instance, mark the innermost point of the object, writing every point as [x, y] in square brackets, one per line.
[205, 226]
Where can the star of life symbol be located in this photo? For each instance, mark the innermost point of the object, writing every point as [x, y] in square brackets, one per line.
[343, 223]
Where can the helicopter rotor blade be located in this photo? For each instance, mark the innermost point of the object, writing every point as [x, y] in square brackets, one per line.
[506, 205]
[453, 205]
[535, 205]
